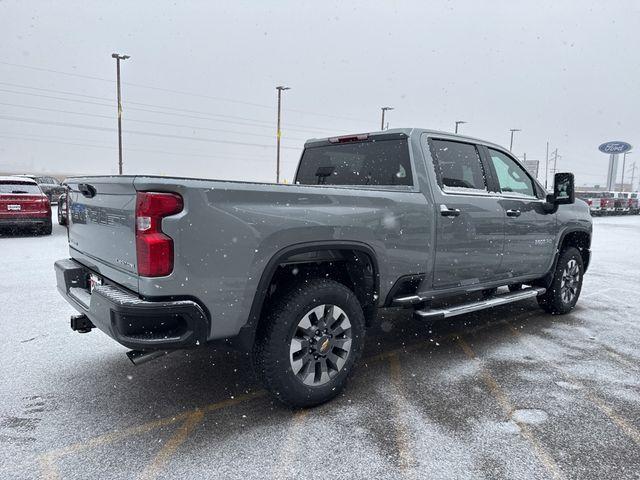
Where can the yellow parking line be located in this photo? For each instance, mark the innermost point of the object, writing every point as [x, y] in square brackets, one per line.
[402, 435]
[503, 401]
[164, 455]
[627, 428]
[49, 459]
[618, 357]
[615, 418]
[288, 454]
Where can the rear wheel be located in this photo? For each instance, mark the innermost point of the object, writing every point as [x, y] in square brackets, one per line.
[564, 291]
[309, 342]
[46, 228]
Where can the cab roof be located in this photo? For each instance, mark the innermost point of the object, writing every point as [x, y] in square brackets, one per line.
[398, 133]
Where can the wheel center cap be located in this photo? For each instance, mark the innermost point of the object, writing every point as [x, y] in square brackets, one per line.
[323, 345]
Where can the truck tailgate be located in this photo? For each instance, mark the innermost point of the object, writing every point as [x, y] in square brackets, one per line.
[102, 226]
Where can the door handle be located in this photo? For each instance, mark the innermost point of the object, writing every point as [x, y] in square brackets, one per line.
[449, 212]
[513, 213]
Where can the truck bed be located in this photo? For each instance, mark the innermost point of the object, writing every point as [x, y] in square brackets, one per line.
[228, 232]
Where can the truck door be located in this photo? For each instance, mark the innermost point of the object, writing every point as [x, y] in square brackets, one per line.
[529, 243]
[469, 220]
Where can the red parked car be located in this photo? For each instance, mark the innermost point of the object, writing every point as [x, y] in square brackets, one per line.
[22, 204]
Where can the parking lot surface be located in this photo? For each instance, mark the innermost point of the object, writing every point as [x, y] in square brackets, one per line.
[507, 393]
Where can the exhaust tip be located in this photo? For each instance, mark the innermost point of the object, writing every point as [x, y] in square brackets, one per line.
[138, 357]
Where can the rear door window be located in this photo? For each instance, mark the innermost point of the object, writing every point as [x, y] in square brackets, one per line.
[458, 166]
[381, 162]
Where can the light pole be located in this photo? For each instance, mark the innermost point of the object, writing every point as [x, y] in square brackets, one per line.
[512, 130]
[384, 109]
[119, 57]
[459, 122]
[280, 89]
[624, 161]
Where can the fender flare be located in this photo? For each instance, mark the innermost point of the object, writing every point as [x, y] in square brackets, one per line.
[246, 337]
[548, 278]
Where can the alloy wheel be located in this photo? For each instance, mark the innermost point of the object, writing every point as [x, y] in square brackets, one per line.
[570, 281]
[320, 345]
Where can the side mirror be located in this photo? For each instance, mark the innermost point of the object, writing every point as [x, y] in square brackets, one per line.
[563, 189]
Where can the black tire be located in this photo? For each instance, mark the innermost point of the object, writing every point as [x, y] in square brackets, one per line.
[61, 220]
[557, 299]
[273, 358]
[45, 229]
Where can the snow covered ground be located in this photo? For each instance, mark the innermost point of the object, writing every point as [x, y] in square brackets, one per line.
[508, 393]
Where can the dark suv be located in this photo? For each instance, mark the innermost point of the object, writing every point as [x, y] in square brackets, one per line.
[50, 186]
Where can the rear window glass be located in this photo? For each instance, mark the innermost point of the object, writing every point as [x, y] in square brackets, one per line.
[382, 162]
[458, 165]
[17, 187]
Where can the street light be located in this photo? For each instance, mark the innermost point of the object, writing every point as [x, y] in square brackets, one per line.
[459, 122]
[119, 57]
[280, 89]
[384, 109]
[511, 143]
[624, 161]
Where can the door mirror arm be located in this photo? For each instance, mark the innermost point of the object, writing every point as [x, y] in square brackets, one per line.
[550, 205]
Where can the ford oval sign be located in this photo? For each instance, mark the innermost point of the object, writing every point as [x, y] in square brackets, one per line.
[615, 147]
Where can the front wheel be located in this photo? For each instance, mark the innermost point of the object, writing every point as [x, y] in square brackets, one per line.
[564, 291]
[61, 219]
[309, 342]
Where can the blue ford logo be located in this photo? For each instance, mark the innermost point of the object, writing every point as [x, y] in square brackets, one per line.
[614, 147]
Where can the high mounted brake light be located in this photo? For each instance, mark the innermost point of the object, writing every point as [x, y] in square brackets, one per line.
[349, 138]
[154, 249]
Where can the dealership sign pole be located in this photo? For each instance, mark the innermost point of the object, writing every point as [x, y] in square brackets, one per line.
[613, 149]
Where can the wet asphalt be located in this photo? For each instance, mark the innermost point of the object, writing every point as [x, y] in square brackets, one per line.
[507, 393]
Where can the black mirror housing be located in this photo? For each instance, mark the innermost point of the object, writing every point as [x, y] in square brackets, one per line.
[563, 189]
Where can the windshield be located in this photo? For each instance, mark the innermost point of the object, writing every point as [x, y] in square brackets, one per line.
[382, 163]
[18, 187]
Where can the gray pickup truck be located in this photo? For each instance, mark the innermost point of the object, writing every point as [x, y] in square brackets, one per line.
[295, 274]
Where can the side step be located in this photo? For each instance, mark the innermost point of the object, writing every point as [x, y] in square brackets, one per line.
[502, 299]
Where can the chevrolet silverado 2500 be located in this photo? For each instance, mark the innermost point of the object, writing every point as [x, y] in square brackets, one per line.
[296, 273]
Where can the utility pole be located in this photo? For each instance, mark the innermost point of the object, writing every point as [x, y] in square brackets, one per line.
[555, 161]
[459, 122]
[633, 174]
[546, 168]
[624, 161]
[512, 130]
[280, 89]
[119, 57]
[384, 109]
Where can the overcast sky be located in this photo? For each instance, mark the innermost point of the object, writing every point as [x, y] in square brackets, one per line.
[563, 72]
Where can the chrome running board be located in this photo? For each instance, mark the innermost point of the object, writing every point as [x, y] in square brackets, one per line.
[502, 299]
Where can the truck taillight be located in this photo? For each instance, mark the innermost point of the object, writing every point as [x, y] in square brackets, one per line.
[154, 249]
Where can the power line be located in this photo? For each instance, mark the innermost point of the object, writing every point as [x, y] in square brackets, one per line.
[151, 122]
[181, 92]
[29, 136]
[181, 154]
[134, 132]
[170, 111]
